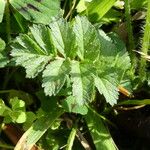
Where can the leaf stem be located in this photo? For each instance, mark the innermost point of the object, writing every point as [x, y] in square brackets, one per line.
[131, 44]
[73, 6]
[71, 138]
[145, 45]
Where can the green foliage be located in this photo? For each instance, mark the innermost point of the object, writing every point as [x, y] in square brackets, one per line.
[99, 132]
[95, 9]
[14, 114]
[2, 8]
[3, 59]
[2, 45]
[37, 54]
[37, 11]
[77, 66]
[70, 105]
[42, 124]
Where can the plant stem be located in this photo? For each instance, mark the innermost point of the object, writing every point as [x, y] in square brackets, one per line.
[131, 44]
[70, 12]
[71, 138]
[8, 22]
[145, 45]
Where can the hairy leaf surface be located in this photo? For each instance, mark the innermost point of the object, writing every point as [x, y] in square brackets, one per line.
[54, 76]
[87, 39]
[3, 59]
[82, 79]
[64, 38]
[107, 86]
[31, 55]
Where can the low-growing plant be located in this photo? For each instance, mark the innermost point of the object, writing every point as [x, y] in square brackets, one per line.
[62, 72]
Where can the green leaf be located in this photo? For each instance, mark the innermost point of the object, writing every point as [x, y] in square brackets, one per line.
[2, 45]
[2, 8]
[113, 54]
[87, 39]
[3, 61]
[54, 76]
[135, 102]
[70, 105]
[42, 36]
[29, 54]
[3, 108]
[81, 6]
[97, 9]
[18, 116]
[34, 133]
[107, 86]
[17, 104]
[64, 38]
[16, 113]
[99, 132]
[30, 117]
[83, 86]
[38, 11]
[18, 110]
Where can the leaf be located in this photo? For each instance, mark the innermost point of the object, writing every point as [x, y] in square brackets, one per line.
[42, 36]
[18, 110]
[14, 114]
[64, 38]
[97, 9]
[2, 45]
[2, 8]
[18, 116]
[81, 6]
[135, 102]
[3, 61]
[30, 118]
[107, 86]
[87, 39]
[29, 54]
[3, 108]
[113, 54]
[99, 132]
[83, 87]
[54, 76]
[17, 104]
[70, 105]
[41, 125]
[38, 11]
